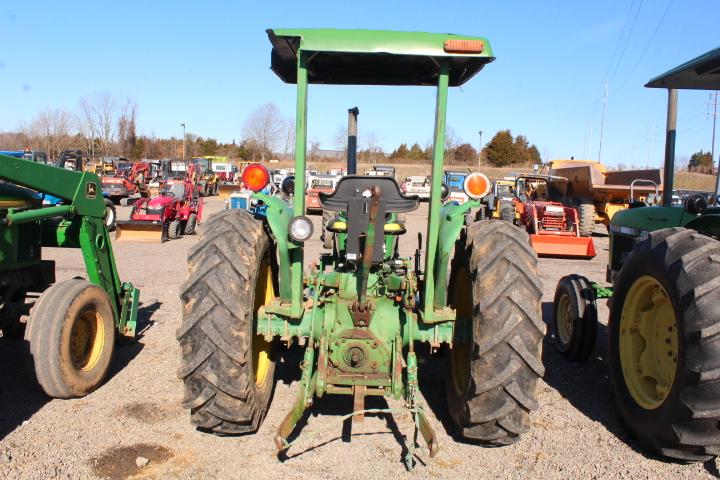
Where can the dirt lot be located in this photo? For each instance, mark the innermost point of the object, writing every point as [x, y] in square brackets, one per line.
[576, 433]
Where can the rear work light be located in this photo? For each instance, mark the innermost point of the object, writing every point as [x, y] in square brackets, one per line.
[476, 185]
[255, 177]
[464, 46]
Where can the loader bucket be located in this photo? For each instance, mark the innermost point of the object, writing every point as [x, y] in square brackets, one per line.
[224, 190]
[563, 246]
[141, 232]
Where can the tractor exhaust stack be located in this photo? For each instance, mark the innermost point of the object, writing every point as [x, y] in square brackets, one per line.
[352, 140]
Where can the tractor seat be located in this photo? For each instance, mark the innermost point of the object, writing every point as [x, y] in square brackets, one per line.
[353, 196]
[340, 226]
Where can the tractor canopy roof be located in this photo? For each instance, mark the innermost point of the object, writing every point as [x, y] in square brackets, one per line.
[377, 57]
[701, 73]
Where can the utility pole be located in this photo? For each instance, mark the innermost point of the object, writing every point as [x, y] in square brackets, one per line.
[183, 125]
[712, 148]
[602, 125]
[480, 148]
[652, 135]
[635, 154]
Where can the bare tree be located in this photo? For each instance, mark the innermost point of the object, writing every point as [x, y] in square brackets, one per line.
[127, 138]
[99, 116]
[289, 137]
[52, 131]
[341, 137]
[265, 128]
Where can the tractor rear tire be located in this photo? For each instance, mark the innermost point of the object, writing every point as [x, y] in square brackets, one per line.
[575, 322]
[71, 332]
[507, 214]
[191, 225]
[666, 300]
[325, 236]
[586, 220]
[496, 357]
[227, 370]
[110, 215]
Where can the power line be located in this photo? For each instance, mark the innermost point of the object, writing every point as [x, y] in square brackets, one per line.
[647, 46]
[619, 40]
[627, 40]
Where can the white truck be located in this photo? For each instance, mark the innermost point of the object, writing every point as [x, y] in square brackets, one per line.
[417, 185]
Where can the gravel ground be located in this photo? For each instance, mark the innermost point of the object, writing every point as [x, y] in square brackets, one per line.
[576, 432]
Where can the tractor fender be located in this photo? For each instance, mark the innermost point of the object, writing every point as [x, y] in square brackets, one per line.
[278, 215]
[708, 224]
[452, 220]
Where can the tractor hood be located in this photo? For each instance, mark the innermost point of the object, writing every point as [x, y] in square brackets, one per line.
[160, 201]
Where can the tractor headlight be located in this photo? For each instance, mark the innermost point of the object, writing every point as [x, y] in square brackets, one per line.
[300, 228]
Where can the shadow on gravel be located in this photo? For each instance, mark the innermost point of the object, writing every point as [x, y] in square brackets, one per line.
[333, 408]
[20, 394]
[586, 385]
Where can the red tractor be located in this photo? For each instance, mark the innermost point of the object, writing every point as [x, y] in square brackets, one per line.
[176, 211]
[554, 228]
[132, 184]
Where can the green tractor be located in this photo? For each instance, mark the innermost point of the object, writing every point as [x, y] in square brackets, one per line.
[664, 325]
[71, 326]
[360, 311]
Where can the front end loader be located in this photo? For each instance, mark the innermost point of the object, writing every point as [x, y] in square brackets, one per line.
[554, 227]
[71, 326]
[663, 346]
[361, 311]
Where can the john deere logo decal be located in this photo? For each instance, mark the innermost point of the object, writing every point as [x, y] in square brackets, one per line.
[90, 190]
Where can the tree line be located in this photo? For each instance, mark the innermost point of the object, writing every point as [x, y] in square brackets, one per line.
[106, 125]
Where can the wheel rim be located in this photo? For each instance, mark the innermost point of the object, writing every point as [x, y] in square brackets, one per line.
[264, 294]
[109, 216]
[564, 319]
[648, 342]
[87, 340]
[460, 355]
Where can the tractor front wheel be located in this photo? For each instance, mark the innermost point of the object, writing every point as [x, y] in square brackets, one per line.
[191, 225]
[495, 360]
[174, 230]
[110, 215]
[71, 332]
[574, 326]
[227, 369]
[664, 344]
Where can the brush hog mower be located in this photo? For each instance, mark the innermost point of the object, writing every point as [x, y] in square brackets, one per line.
[360, 311]
[554, 228]
[173, 213]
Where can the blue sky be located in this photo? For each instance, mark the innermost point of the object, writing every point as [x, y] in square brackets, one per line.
[206, 63]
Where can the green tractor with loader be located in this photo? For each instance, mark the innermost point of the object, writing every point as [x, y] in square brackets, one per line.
[360, 311]
[71, 326]
[664, 325]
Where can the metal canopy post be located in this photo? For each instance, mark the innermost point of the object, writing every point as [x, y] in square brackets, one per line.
[435, 195]
[296, 254]
[670, 147]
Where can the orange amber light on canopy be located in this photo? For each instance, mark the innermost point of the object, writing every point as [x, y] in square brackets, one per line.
[255, 177]
[477, 185]
[464, 46]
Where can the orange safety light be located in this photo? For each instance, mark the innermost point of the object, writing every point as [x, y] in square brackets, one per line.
[464, 46]
[476, 185]
[255, 177]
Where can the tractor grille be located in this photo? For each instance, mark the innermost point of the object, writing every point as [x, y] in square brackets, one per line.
[154, 211]
[553, 222]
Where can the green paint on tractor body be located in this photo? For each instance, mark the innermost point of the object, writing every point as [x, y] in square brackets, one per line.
[361, 341]
[79, 223]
